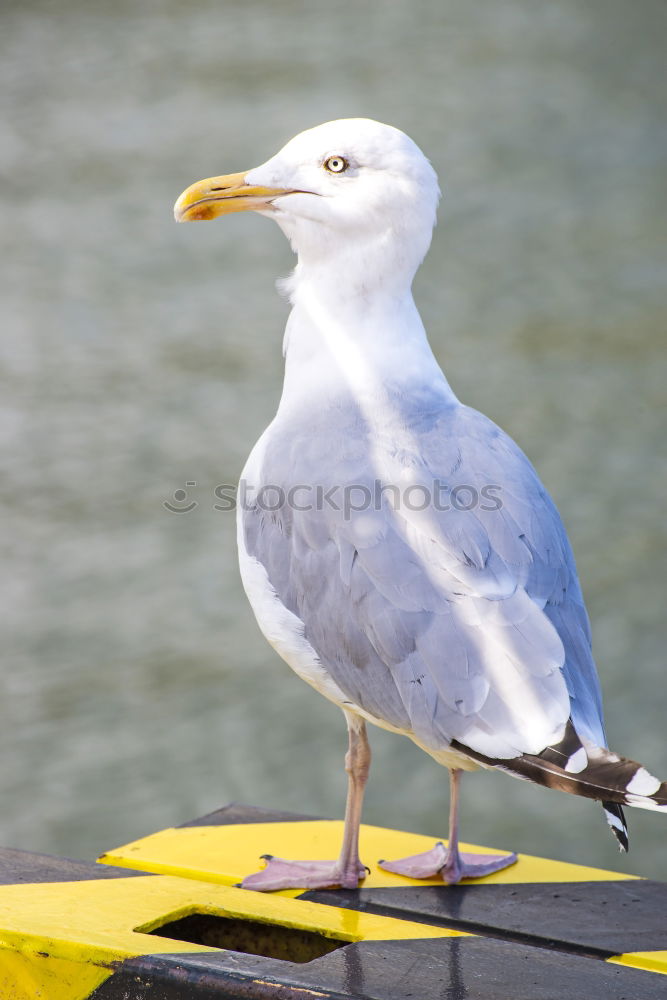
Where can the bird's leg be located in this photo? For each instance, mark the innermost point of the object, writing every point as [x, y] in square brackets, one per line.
[347, 870]
[448, 862]
[458, 865]
[357, 766]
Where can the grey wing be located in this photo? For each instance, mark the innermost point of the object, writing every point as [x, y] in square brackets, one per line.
[456, 621]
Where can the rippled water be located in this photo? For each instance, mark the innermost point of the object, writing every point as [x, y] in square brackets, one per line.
[138, 356]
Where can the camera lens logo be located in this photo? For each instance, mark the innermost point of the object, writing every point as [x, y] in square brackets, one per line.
[179, 504]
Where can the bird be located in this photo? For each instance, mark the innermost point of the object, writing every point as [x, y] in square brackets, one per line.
[397, 547]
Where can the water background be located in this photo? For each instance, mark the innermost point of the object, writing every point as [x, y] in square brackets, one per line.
[137, 356]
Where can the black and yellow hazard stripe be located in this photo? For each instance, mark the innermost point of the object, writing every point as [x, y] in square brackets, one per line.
[587, 911]
[162, 918]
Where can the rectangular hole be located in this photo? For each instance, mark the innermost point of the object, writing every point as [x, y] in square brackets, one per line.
[250, 936]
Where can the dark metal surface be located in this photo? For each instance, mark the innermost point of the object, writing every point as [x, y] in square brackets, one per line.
[443, 969]
[589, 918]
[23, 866]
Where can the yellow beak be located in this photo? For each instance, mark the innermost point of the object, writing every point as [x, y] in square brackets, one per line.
[216, 196]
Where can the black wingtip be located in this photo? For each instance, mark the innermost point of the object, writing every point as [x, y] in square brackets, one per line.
[616, 819]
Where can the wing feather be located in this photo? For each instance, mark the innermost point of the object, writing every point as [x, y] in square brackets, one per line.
[453, 622]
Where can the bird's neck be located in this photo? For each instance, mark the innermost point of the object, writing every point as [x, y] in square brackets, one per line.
[349, 339]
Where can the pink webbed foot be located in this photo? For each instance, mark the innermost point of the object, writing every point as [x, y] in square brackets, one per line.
[281, 874]
[451, 866]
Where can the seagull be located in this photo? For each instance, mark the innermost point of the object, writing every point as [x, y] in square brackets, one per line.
[397, 547]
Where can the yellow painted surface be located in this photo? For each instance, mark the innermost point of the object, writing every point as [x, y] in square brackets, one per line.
[91, 921]
[42, 977]
[103, 921]
[226, 853]
[650, 961]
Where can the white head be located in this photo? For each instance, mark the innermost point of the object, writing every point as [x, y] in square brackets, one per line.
[347, 193]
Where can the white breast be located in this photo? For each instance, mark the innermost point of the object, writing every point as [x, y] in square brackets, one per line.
[282, 629]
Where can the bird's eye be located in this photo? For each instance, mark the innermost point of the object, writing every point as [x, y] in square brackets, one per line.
[336, 164]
